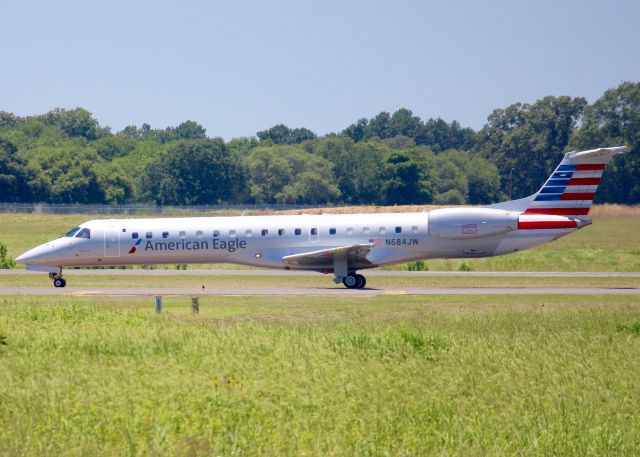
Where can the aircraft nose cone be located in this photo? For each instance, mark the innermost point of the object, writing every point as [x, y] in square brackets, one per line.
[33, 255]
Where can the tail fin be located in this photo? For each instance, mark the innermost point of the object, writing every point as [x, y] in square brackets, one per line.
[570, 189]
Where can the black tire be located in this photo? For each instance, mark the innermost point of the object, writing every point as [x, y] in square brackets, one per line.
[59, 282]
[350, 282]
[362, 281]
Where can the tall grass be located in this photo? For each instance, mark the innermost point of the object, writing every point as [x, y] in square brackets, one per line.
[311, 376]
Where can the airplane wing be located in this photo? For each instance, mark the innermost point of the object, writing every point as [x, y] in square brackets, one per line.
[355, 255]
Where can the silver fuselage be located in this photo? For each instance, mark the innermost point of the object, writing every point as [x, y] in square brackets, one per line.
[263, 241]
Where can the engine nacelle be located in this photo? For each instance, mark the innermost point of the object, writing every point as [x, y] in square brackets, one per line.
[467, 223]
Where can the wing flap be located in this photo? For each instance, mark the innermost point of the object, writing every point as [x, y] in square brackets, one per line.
[355, 254]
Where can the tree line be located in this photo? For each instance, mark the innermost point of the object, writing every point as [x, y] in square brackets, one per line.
[66, 156]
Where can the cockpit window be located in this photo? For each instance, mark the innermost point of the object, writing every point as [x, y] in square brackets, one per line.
[72, 232]
[84, 233]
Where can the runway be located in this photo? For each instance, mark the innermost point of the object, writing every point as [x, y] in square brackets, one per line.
[266, 272]
[329, 291]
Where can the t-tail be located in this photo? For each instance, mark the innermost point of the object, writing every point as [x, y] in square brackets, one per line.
[570, 189]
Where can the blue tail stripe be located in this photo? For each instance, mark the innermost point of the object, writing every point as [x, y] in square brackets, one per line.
[564, 174]
[557, 182]
[548, 197]
[566, 168]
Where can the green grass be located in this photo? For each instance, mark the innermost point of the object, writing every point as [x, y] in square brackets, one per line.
[612, 243]
[395, 375]
[214, 281]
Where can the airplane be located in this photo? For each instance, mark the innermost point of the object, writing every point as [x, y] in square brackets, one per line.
[338, 244]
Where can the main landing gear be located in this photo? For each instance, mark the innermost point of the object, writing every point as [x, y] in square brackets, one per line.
[58, 280]
[354, 281]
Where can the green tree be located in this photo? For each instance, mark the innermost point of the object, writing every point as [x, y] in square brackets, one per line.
[357, 131]
[76, 122]
[6, 262]
[403, 181]
[530, 139]
[15, 174]
[193, 173]
[67, 174]
[356, 166]
[281, 134]
[288, 174]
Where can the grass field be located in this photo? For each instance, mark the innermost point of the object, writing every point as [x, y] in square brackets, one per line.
[612, 243]
[488, 375]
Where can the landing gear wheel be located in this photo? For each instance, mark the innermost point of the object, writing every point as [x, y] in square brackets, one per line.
[362, 281]
[59, 282]
[350, 282]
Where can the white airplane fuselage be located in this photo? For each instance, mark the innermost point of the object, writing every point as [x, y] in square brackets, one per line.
[340, 244]
[263, 241]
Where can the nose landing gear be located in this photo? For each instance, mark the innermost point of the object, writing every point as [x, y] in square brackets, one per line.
[354, 281]
[58, 280]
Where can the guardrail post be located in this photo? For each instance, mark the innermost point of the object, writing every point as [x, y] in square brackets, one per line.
[158, 304]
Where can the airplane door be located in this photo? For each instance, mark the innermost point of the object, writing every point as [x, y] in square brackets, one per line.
[314, 233]
[112, 241]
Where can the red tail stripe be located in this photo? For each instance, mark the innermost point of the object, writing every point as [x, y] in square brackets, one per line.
[590, 166]
[584, 181]
[528, 225]
[559, 211]
[578, 196]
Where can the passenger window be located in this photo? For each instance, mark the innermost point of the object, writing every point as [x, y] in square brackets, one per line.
[149, 234]
[265, 232]
[134, 235]
[314, 231]
[398, 229]
[332, 231]
[280, 232]
[216, 233]
[165, 234]
[199, 234]
[232, 233]
[365, 230]
[183, 234]
[382, 230]
[247, 233]
[414, 229]
[84, 233]
[298, 231]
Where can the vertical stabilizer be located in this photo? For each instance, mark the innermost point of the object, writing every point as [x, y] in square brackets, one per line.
[570, 189]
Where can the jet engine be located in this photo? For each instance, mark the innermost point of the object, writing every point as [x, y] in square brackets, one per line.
[467, 223]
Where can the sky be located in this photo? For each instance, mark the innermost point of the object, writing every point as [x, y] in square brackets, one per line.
[238, 67]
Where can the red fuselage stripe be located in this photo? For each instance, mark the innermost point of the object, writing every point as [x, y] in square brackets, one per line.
[559, 211]
[528, 225]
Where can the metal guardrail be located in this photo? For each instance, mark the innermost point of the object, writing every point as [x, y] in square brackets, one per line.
[52, 208]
